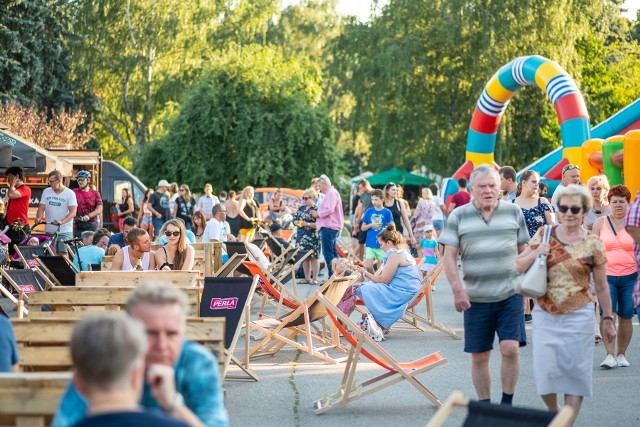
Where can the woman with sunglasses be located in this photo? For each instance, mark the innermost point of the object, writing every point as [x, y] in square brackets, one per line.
[599, 188]
[622, 272]
[176, 254]
[398, 210]
[563, 317]
[125, 207]
[307, 236]
[184, 206]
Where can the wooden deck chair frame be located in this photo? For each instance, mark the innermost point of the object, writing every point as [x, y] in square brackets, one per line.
[362, 345]
[50, 273]
[24, 259]
[229, 267]
[18, 302]
[287, 268]
[272, 289]
[245, 320]
[286, 254]
[457, 400]
[299, 323]
[22, 294]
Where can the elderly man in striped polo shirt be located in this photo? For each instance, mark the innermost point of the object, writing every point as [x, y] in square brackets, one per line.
[488, 233]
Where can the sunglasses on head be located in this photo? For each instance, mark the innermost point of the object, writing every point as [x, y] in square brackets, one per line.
[574, 209]
[570, 168]
[172, 233]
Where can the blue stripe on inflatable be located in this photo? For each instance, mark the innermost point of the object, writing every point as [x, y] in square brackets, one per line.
[490, 106]
[505, 77]
[482, 143]
[575, 132]
[531, 67]
[517, 70]
[559, 86]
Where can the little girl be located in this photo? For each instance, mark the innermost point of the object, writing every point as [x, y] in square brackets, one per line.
[430, 250]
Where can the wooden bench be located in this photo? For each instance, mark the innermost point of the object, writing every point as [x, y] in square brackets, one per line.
[43, 344]
[31, 399]
[95, 298]
[136, 278]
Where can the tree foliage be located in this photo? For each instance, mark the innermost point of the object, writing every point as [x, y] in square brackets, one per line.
[255, 118]
[48, 128]
[34, 57]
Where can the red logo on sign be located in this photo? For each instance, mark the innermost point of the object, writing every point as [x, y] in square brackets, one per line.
[224, 303]
[27, 289]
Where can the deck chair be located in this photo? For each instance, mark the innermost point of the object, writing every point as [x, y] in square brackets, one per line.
[238, 248]
[481, 414]
[230, 297]
[272, 289]
[59, 269]
[280, 254]
[259, 242]
[27, 254]
[298, 323]
[230, 266]
[24, 282]
[362, 345]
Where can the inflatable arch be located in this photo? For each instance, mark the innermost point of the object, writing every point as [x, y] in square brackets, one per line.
[560, 88]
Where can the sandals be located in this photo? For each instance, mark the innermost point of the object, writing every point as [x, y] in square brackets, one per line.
[305, 281]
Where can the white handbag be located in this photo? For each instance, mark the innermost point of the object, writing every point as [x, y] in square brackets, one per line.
[533, 283]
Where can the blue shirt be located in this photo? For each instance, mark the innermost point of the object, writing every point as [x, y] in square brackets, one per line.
[191, 238]
[88, 255]
[197, 380]
[384, 217]
[130, 419]
[8, 346]
[116, 239]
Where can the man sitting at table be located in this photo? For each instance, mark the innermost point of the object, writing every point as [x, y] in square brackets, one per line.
[137, 255]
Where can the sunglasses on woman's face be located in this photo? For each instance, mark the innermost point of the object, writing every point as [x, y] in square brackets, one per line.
[172, 233]
[574, 209]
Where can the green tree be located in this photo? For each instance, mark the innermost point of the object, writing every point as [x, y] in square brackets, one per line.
[255, 118]
[34, 56]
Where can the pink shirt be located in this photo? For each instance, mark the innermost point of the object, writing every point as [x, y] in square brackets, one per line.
[620, 259]
[330, 211]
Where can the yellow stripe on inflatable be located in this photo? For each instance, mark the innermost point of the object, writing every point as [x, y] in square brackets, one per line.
[546, 72]
[479, 158]
[497, 91]
[574, 155]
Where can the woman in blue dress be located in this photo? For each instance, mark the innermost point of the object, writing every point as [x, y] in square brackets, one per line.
[307, 236]
[387, 293]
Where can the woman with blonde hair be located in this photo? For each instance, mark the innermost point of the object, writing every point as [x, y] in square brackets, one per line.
[176, 254]
[307, 236]
[423, 215]
[598, 187]
[248, 210]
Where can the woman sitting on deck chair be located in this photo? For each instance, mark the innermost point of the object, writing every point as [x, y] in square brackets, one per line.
[176, 254]
[387, 293]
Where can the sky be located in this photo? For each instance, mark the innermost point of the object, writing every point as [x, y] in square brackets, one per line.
[362, 8]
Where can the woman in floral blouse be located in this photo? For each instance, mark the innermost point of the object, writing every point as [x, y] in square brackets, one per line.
[307, 236]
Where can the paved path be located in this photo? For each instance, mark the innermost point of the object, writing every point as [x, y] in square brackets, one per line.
[290, 383]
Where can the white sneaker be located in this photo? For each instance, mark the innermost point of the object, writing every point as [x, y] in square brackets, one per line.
[609, 362]
[622, 361]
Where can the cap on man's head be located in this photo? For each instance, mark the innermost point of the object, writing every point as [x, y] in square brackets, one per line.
[275, 227]
[569, 167]
[163, 183]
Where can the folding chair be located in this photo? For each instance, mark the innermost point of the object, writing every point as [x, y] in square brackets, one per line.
[238, 248]
[230, 297]
[59, 269]
[286, 329]
[362, 345]
[481, 414]
[272, 289]
[230, 266]
[27, 254]
[280, 254]
[25, 282]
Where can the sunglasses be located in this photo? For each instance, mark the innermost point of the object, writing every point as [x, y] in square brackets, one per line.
[306, 198]
[51, 181]
[81, 179]
[574, 209]
[570, 168]
[172, 233]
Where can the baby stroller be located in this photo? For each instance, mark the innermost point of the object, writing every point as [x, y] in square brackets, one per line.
[34, 243]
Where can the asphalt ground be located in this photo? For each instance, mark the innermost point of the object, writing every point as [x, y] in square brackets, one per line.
[291, 381]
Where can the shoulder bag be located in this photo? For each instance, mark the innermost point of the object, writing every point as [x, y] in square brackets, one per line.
[533, 283]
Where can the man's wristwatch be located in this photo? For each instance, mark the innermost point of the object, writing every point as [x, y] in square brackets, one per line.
[176, 402]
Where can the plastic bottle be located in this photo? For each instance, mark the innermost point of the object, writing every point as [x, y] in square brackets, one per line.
[138, 266]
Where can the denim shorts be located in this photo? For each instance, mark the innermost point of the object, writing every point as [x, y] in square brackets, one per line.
[438, 224]
[484, 319]
[621, 291]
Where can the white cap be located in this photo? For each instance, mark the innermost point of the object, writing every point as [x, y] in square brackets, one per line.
[163, 183]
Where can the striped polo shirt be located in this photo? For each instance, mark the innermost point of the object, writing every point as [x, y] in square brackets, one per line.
[488, 248]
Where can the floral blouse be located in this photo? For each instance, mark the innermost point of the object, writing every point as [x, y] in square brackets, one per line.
[568, 270]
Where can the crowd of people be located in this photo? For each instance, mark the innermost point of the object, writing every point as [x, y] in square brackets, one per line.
[491, 233]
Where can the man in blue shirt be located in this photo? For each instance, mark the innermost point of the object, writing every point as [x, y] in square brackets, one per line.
[182, 377]
[375, 219]
[8, 348]
[120, 239]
